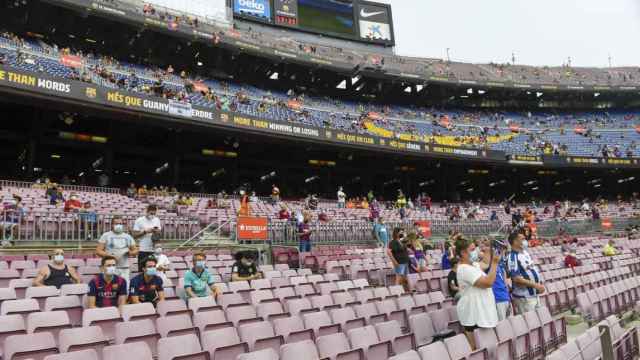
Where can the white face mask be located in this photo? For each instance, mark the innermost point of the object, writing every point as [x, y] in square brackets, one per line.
[158, 251]
[110, 270]
[525, 244]
[118, 228]
[58, 258]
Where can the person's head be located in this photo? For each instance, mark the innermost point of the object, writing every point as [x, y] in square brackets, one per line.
[74, 197]
[199, 260]
[398, 234]
[149, 265]
[57, 256]
[412, 238]
[152, 210]
[242, 192]
[118, 224]
[516, 240]
[380, 220]
[245, 257]
[17, 199]
[612, 243]
[465, 249]
[87, 205]
[108, 265]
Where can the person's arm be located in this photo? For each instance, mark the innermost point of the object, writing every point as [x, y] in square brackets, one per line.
[138, 231]
[189, 291]
[122, 300]
[101, 248]
[91, 295]
[519, 280]
[390, 254]
[74, 274]
[122, 295]
[91, 302]
[161, 295]
[134, 299]
[215, 291]
[486, 281]
[43, 273]
[133, 249]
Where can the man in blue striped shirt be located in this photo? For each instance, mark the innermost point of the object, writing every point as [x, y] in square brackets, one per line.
[525, 277]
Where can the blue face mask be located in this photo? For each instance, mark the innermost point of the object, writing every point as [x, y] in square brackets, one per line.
[201, 264]
[474, 256]
[525, 244]
[151, 271]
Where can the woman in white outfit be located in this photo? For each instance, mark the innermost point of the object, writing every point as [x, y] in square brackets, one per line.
[476, 305]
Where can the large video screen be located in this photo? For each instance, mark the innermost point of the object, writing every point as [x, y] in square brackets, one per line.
[327, 16]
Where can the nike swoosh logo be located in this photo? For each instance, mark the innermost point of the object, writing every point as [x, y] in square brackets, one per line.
[365, 14]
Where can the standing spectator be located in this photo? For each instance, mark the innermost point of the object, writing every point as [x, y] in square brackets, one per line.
[418, 253]
[131, 191]
[12, 215]
[107, 289]
[284, 214]
[500, 288]
[526, 280]
[147, 286]
[342, 198]
[198, 281]
[476, 305]
[118, 245]
[244, 204]
[245, 268]
[304, 234]
[275, 194]
[88, 219]
[144, 229]
[57, 273]
[381, 232]
[399, 256]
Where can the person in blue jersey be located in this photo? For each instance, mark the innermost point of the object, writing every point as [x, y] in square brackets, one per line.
[381, 232]
[500, 288]
[525, 277]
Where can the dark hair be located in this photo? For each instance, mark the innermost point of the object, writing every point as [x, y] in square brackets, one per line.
[149, 258]
[107, 258]
[396, 233]
[462, 244]
[198, 254]
[513, 236]
[152, 207]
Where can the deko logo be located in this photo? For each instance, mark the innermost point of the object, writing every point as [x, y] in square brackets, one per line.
[252, 5]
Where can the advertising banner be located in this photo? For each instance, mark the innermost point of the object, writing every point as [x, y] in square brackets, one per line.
[374, 22]
[179, 108]
[252, 228]
[71, 61]
[259, 9]
[286, 12]
[424, 226]
[606, 224]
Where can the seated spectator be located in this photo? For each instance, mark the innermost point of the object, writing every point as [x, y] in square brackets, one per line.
[55, 195]
[107, 289]
[452, 280]
[211, 204]
[147, 287]
[245, 267]
[198, 281]
[571, 261]
[609, 249]
[57, 273]
[163, 264]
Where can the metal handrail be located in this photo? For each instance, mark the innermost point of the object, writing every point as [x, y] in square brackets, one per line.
[199, 234]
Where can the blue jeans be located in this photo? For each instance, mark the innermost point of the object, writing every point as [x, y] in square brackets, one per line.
[305, 246]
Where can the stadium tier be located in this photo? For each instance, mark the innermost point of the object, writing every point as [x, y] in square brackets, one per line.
[588, 134]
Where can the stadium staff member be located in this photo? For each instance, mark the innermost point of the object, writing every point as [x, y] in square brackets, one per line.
[57, 273]
[118, 244]
[476, 305]
[525, 277]
[198, 280]
[244, 268]
[147, 287]
[107, 289]
[144, 228]
[399, 256]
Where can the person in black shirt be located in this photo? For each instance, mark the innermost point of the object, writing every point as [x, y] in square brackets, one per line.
[399, 256]
[245, 268]
[147, 287]
[57, 273]
[452, 279]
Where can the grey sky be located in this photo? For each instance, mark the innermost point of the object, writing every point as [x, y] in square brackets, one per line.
[540, 32]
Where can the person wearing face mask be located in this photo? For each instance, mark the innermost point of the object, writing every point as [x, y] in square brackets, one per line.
[244, 268]
[476, 305]
[119, 244]
[147, 287]
[198, 281]
[144, 229]
[107, 289]
[500, 288]
[527, 283]
[57, 273]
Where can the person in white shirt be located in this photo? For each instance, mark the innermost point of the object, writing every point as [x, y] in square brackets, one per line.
[144, 228]
[162, 265]
[119, 244]
[342, 198]
[476, 305]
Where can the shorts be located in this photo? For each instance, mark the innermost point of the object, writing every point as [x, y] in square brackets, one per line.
[470, 328]
[524, 305]
[401, 269]
[503, 309]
